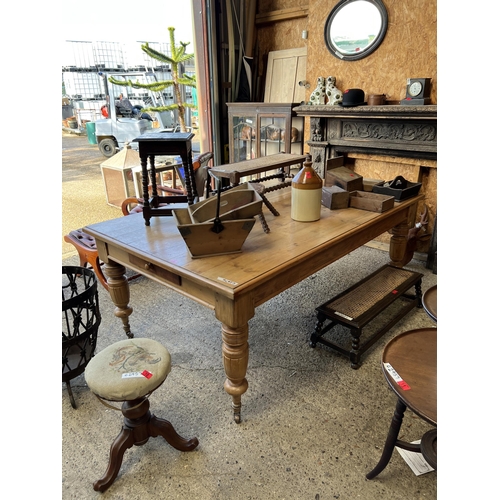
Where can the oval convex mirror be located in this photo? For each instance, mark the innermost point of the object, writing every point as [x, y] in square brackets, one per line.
[355, 28]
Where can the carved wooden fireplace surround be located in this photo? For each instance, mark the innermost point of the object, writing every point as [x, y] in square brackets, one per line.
[391, 130]
[405, 131]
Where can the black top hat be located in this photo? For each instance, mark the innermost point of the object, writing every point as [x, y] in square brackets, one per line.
[353, 97]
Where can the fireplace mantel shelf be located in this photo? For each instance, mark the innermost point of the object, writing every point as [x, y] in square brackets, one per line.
[378, 112]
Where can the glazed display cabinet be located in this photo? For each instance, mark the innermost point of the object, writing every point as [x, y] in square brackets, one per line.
[259, 129]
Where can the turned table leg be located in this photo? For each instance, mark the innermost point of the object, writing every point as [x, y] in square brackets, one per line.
[397, 246]
[235, 358]
[119, 292]
[400, 248]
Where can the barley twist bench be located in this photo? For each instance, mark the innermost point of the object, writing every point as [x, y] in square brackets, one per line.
[362, 303]
[236, 171]
[129, 371]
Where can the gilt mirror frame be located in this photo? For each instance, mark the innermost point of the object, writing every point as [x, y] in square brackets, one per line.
[354, 29]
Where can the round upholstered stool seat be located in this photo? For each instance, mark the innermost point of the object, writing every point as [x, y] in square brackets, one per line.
[128, 369]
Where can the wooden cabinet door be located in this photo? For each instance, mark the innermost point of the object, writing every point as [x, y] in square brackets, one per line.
[285, 68]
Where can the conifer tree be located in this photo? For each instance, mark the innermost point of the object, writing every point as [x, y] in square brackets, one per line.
[178, 57]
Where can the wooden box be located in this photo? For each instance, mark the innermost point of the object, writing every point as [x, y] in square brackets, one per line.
[369, 184]
[345, 178]
[202, 241]
[334, 197]
[400, 188]
[370, 201]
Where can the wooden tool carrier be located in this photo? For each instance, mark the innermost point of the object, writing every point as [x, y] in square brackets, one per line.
[219, 225]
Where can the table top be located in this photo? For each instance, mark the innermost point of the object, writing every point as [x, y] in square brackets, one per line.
[164, 137]
[429, 301]
[269, 262]
[413, 355]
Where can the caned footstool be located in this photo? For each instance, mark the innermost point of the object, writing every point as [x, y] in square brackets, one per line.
[128, 372]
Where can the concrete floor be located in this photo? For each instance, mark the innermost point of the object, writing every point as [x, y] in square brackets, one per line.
[311, 427]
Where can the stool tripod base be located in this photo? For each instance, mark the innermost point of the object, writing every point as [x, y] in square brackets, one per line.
[428, 445]
[138, 426]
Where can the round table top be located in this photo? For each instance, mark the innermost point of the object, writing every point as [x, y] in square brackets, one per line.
[409, 362]
[429, 301]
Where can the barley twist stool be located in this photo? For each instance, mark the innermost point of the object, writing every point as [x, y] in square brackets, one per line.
[129, 371]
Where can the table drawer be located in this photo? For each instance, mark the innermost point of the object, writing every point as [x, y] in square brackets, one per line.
[153, 269]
